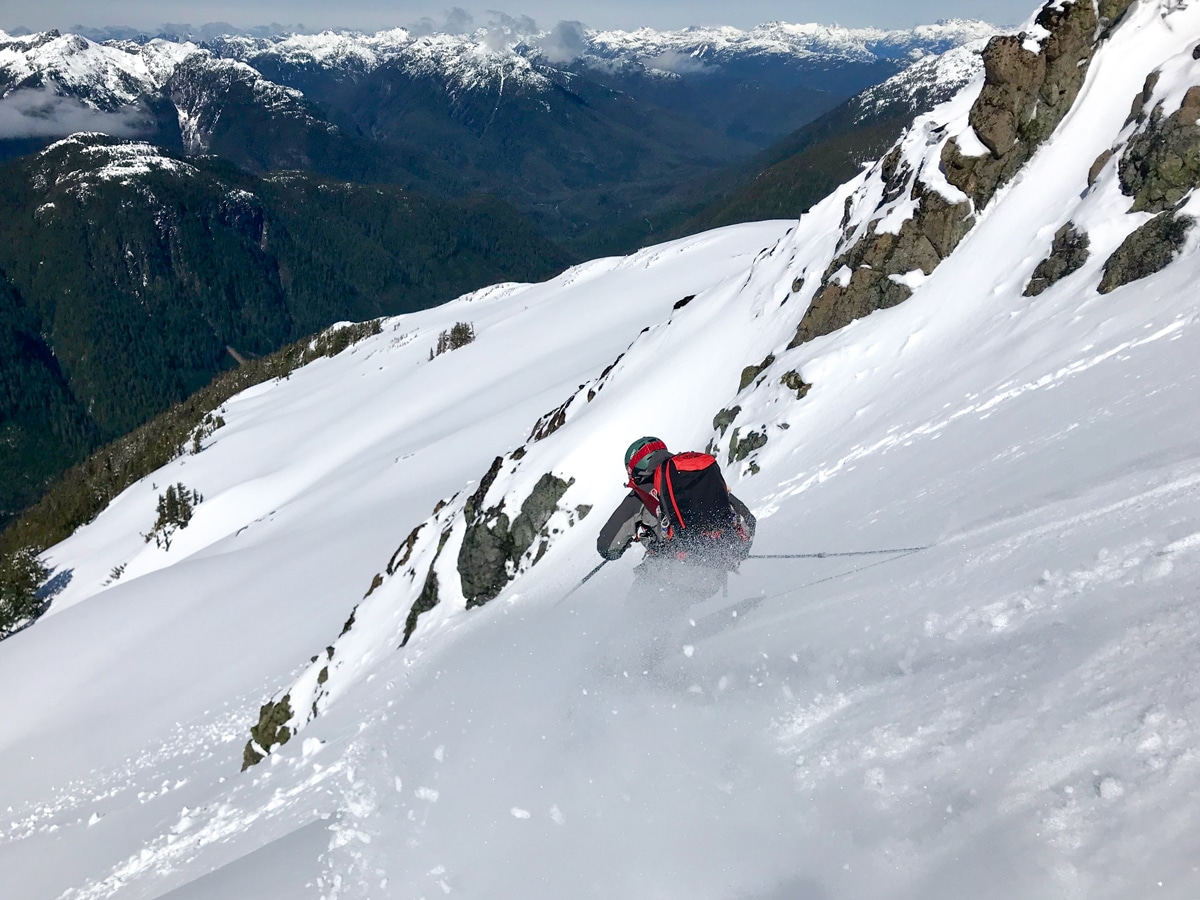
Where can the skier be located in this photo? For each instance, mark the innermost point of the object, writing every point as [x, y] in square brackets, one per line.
[694, 530]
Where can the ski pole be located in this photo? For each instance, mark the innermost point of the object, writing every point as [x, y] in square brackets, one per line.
[834, 555]
[586, 579]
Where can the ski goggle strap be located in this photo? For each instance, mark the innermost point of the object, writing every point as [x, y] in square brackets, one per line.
[652, 447]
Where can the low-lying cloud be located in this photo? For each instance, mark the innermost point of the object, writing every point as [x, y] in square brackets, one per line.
[565, 42]
[457, 21]
[504, 31]
[674, 61]
[40, 112]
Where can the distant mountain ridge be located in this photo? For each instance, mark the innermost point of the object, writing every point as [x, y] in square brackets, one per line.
[574, 126]
[785, 180]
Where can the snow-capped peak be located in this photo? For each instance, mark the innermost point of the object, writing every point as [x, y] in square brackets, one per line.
[106, 76]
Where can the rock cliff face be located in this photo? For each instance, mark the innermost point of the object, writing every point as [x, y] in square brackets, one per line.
[1162, 163]
[1150, 249]
[1030, 82]
[494, 547]
[1068, 254]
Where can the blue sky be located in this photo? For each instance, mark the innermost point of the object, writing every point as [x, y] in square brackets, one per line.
[371, 14]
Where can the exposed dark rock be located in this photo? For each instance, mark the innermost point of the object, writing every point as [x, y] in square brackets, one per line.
[739, 449]
[678, 305]
[896, 175]
[922, 242]
[1068, 253]
[1098, 166]
[404, 551]
[347, 626]
[1137, 110]
[550, 422]
[471, 509]
[1025, 96]
[1148, 250]
[725, 418]
[751, 372]
[426, 600]
[793, 382]
[271, 731]
[493, 545]
[1162, 163]
[797, 285]
[1112, 10]
[376, 583]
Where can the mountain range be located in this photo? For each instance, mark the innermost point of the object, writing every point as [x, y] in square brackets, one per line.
[576, 128]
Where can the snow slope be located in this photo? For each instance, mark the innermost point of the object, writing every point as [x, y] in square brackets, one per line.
[1009, 713]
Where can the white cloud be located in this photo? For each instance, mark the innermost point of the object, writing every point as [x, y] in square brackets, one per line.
[40, 112]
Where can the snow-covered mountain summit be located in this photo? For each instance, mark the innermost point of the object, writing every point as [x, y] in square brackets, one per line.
[717, 46]
[106, 76]
[119, 72]
[983, 346]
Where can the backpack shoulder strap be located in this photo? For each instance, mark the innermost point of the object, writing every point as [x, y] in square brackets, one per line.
[665, 489]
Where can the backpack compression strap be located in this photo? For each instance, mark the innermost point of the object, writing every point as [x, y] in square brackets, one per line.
[661, 474]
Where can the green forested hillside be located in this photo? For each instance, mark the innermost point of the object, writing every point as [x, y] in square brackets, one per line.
[129, 276]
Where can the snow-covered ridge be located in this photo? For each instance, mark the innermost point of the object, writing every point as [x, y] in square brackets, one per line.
[116, 73]
[939, 75]
[106, 76]
[780, 39]
[97, 158]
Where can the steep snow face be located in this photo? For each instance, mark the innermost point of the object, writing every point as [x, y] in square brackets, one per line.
[1006, 713]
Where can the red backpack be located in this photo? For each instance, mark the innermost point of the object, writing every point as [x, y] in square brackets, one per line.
[691, 500]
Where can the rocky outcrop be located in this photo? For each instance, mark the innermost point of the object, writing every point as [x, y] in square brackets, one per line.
[271, 731]
[751, 372]
[1148, 250]
[1111, 11]
[495, 546]
[741, 447]
[1026, 93]
[1069, 252]
[793, 381]
[1030, 83]
[1161, 164]
[873, 272]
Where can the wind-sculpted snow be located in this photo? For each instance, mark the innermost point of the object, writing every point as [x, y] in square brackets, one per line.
[1008, 713]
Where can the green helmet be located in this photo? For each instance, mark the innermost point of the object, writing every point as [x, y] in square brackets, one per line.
[637, 457]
